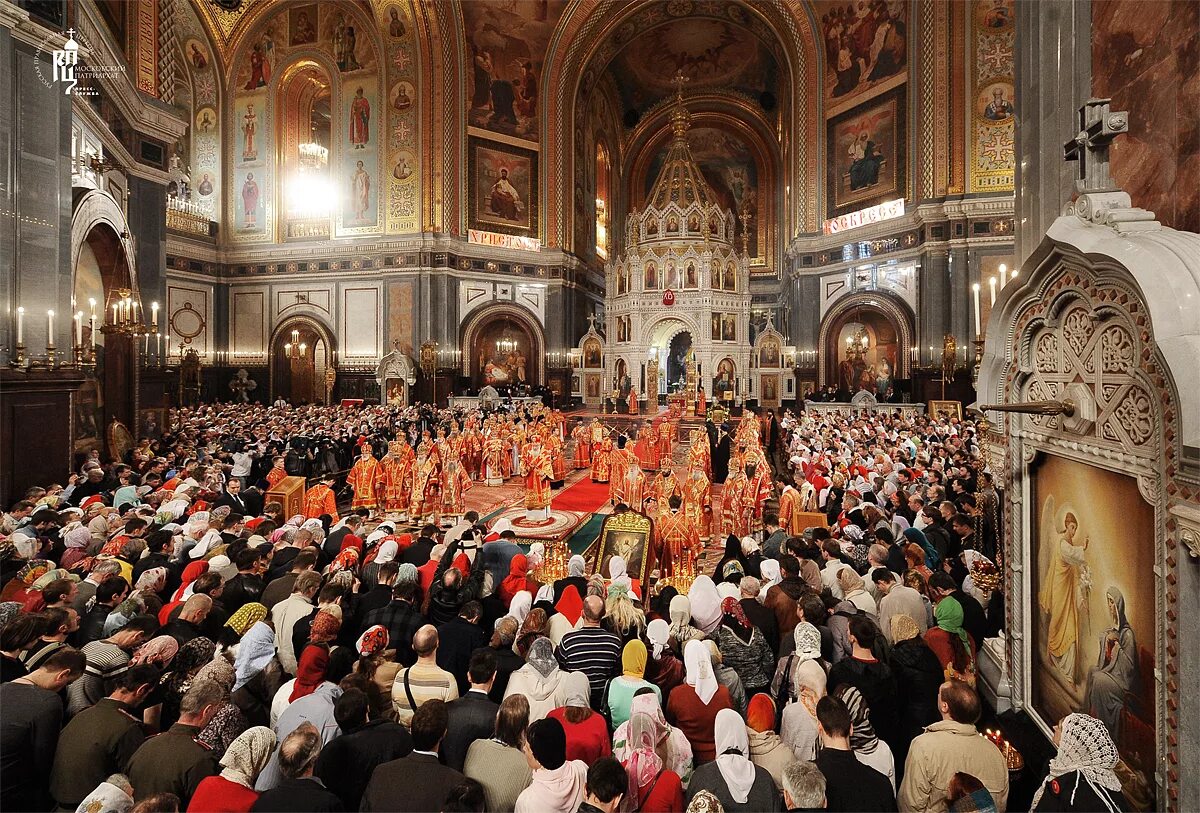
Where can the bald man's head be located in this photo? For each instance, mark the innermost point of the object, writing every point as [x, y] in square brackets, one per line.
[425, 642]
[593, 609]
[196, 608]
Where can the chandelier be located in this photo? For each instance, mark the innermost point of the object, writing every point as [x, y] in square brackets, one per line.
[858, 341]
[124, 315]
[295, 349]
[313, 155]
[506, 343]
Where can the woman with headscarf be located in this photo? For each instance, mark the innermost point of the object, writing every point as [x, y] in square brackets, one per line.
[621, 617]
[193, 655]
[576, 577]
[854, 590]
[520, 605]
[228, 722]
[1116, 671]
[952, 644]
[622, 688]
[310, 673]
[377, 664]
[733, 553]
[705, 802]
[919, 582]
[663, 669]
[618, 573]
[587, 731]
[693, 706]
[681, 628]
[727, 677]
[802, 681]
[743, 648]
[866, 745]
[257, 673]
[653, 787]
[767, 749]
[669, 742]
[76, 539]
[738, 783]
[232, 790]
[915, 536]
[705, 604]
[1082, 774]
[158, 651]
[113, 795]
[918, 675]
[771, 576]
[540, 680]
[517, 579]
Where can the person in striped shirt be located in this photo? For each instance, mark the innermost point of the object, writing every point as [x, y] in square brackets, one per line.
[424, 680]
[592, 650]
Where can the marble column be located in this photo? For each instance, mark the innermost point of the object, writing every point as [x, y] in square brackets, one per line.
[1054, 77]
[933, 308]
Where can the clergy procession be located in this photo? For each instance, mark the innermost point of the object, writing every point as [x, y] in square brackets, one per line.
[805, 632]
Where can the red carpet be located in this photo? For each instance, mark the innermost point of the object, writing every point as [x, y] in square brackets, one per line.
[584, 496]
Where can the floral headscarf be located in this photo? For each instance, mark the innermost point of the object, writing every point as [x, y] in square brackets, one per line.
[372, 641]
[732, 609]
[158, 650]
[247, 755]
[541, 657]
[671, 745]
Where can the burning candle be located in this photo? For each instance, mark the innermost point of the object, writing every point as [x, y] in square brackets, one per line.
[116, 313]
[79, 328]
[154, 314]
[49, 328]
[20, 326]
[160, 345]
[1003, 278]
[992, 285]
[975, 296]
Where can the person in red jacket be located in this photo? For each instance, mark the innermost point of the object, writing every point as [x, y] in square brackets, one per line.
[587, 730]
[693, 706]
[232, 790]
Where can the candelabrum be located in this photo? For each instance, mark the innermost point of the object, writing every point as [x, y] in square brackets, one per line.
[978, 341]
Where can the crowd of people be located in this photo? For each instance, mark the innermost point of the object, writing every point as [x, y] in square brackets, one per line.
[172, 641]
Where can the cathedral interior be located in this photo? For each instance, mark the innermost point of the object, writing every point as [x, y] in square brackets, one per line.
[987, 206]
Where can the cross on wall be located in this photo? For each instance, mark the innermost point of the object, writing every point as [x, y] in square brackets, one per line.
[1098, 126]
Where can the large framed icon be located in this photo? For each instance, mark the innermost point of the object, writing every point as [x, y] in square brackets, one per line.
[626, 535]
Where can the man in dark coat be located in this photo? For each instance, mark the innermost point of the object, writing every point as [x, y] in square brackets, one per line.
[417, 782]
[176, 761]
[346, 763]
[849, 784]
[472, 716]
[458, 638]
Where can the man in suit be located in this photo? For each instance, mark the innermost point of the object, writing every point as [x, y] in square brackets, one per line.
[231, 497]
[347, 762]
[418, 552]
[333, 542]
[458, 639]
[417, 782]
[472, 716]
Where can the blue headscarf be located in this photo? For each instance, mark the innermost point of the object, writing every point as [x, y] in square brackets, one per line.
[917, 536]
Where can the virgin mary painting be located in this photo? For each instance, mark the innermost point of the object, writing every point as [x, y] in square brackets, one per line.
[1116, 671]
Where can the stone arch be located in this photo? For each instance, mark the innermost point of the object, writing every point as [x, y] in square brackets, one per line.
[95, 209]
[579, 34]
[280, 333]
[487, 315]
[895, 310]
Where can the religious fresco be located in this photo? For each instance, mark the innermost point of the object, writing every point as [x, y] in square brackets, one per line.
[1093, 644]
[200, 148]
[729, 166]
[506, 45]
[502, 354]
[993, 96]
[871, 367]
[865, 160]
[358, 168]
[401, 165]
[711, 53]
[504, 188]
[866, 49]
[360, 120]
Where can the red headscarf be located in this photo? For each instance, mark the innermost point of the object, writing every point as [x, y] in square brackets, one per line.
[351, 541]
[731, 607]
[310, 672]
[190, 573]
[760, 714]
[570, 605]
[516, 579]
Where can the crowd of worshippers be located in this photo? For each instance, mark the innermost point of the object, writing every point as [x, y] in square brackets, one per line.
[162, 657]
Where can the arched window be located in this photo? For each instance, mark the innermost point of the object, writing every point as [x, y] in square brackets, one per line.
[603, 199]
[306, 128]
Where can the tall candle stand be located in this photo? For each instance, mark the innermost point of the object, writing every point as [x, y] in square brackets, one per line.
[18, 360]
[978, 342]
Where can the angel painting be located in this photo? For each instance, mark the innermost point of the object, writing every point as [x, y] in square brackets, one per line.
[1064, 589]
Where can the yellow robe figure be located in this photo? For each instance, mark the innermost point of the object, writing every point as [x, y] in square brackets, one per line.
[1061, 597]
[601, 459]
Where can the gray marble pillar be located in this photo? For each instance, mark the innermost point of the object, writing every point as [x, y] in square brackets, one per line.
[805, 312]
[958, 304]
[1054, 77]
[147, 216]
[935, 291]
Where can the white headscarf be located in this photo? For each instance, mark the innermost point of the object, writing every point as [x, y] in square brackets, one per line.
[520, 605]
[728, 590]
[106, 798]
[1084, 746]
[698, 665]
[658, 632]
[247, 755]
[577, 566]
[536, 552]
[618, 574]
[808, 641]
[388, 549]
[769, 568]
[705, 604]
[733, 754]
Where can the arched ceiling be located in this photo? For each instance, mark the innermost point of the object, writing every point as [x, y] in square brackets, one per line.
[713, 53]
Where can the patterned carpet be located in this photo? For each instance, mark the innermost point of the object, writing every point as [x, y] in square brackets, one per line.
[558, 527]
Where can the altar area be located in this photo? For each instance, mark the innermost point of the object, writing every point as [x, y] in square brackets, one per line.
[862, 402]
